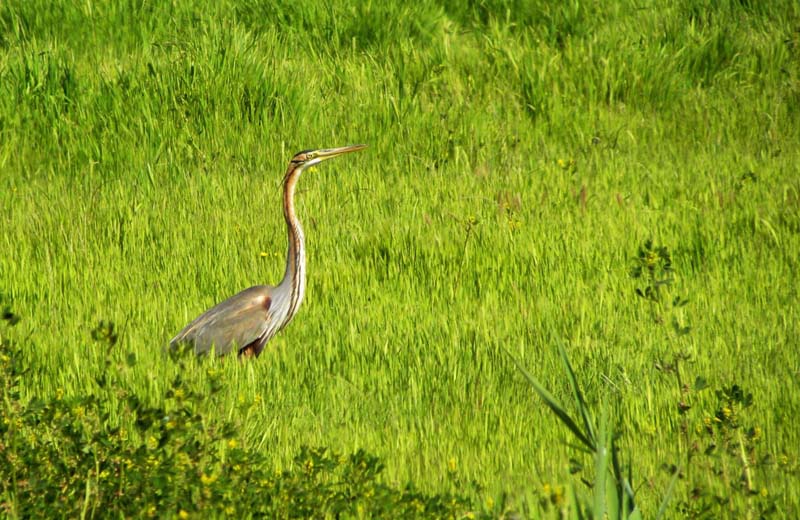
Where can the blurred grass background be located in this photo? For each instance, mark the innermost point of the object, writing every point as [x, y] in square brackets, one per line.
[520, 154]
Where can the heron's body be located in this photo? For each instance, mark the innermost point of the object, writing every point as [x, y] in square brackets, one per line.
[247, 321]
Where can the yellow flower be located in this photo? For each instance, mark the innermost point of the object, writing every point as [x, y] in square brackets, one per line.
[208, 479]
[264, 254]
[489, 503]
[232, 443]
[451, 464]
[727, 412]
[561, 163]
[558, 496]
[183, 514]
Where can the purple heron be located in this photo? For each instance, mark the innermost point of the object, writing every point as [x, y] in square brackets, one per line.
[245, 322]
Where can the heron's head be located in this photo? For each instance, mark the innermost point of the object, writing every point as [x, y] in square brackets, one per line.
[308, 158]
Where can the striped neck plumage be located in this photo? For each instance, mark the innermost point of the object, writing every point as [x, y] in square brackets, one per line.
[294, 279]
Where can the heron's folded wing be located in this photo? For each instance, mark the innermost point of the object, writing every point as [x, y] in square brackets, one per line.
[231, 324]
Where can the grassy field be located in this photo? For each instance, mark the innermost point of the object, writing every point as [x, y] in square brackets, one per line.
[521, 155]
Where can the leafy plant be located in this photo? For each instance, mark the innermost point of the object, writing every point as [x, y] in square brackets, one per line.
[725, 458]
[653, 265]
[613, 495]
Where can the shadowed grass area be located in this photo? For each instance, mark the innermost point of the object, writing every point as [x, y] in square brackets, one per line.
[522, 154]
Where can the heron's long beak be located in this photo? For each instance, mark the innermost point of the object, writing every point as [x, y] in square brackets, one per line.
[330, 153]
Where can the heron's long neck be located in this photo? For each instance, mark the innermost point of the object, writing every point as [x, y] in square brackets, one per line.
[294, 279]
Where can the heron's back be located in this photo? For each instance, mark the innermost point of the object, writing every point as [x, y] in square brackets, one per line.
[245, 319]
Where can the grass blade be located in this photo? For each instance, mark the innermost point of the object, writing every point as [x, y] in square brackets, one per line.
[576, 391]
[670, 489]
[601, 472]
[626, 495]
[578, 511]
[554, 405]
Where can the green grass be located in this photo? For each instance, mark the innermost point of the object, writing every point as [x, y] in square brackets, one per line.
[520, 154]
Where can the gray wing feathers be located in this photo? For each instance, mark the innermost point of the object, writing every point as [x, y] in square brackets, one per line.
[230, 325]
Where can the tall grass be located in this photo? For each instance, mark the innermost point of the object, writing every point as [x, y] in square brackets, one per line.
[521, 156]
